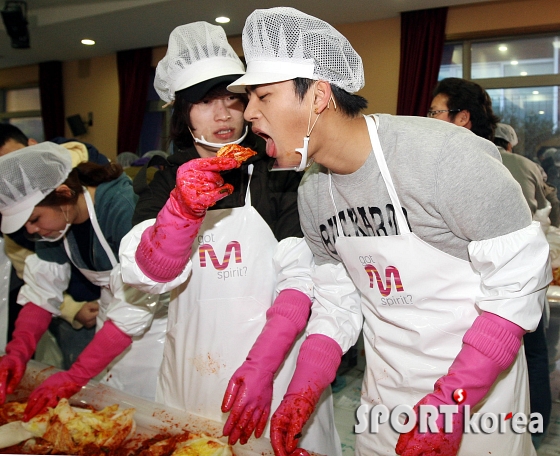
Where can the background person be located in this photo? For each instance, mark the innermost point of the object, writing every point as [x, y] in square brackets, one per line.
[81, 213]
[451, 92]
[534, 188]
[431, 216]
[225, 266]
[75, 327]
[466, 104]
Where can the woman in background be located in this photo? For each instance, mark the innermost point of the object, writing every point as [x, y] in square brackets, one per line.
[82, 213]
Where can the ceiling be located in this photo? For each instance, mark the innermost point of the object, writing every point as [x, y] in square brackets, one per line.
[57, 26]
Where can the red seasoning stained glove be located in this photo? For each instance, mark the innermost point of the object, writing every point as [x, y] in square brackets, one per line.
[249, 392]
[165, 247]
[489, 347]
[318, 360]
[106, 345]
[32, 322]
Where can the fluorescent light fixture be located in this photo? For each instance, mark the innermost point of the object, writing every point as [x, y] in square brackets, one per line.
[535, 92]
[514, 62]
[523, 73]
[222, 20]
[502, 48]
[88, 42]
[541, 112]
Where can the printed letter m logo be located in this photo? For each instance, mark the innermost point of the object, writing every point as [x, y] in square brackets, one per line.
[233, 245]
[391, 271]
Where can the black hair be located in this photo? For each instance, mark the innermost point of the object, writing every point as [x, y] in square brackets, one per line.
[85, 174]
[466, 95]
[350, 104]
[501, 142]
[9, 131]
[180, 123]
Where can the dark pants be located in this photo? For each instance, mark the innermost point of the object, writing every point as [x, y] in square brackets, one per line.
[536, 351]
[70, 341]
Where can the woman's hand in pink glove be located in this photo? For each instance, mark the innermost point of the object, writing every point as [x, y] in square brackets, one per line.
[49, 393]
[31, 324]
[288, 421]
[106, 345]
[12, 369]
[249, 392]
[199, 184]
[248, 396]
[318, 360]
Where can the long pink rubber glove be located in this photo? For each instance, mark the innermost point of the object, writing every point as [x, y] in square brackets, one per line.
[31, 323]
[165, 247]
[249, 391]
[489, 347]
[106, 345]
[318, 360]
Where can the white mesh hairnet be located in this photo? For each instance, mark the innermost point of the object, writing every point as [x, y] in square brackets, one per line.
[196, 52]
[26, 177]
[283, 43]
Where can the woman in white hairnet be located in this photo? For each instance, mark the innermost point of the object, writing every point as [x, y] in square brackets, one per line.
[225, 267]
[81, 214]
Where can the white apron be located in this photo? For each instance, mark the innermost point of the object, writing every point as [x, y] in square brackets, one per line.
[216, 316]
[135, 370]
[5, 271]
[418, 302]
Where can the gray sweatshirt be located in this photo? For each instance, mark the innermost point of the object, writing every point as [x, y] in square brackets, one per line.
[451, 183]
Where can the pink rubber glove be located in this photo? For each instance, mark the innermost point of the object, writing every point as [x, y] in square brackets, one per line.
[249, 392]
[32, 322]
[106, 345]
[318, 360]
[165, 247]
[489, 347]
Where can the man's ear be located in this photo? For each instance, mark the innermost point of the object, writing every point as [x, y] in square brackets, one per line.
[462, 118]
[322, 95]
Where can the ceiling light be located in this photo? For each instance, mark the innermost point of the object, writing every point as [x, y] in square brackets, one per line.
[88, 42]
[502, 48]
[514, 62]
[523, 73]
[222, 20]
[541, 112]
[535, 92]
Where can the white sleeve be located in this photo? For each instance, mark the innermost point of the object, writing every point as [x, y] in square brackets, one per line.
[336, 311]
[515, 273]
[133, 275]
[293, 261]
[130, 309]
[45, 283]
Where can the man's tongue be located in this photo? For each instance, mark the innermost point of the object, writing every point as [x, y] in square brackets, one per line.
[270, 148]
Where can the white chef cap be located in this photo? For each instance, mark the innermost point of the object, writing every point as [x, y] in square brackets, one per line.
[283, 43]
[27, 176]
[507, 133]
[198, 58]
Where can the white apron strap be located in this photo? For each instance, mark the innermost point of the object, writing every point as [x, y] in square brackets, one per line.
[98, 232]
[378, 151]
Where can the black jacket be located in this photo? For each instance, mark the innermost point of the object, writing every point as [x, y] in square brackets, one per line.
[273, 194]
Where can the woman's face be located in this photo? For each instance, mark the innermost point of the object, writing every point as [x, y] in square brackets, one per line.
[47, 221]
[218, 120]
